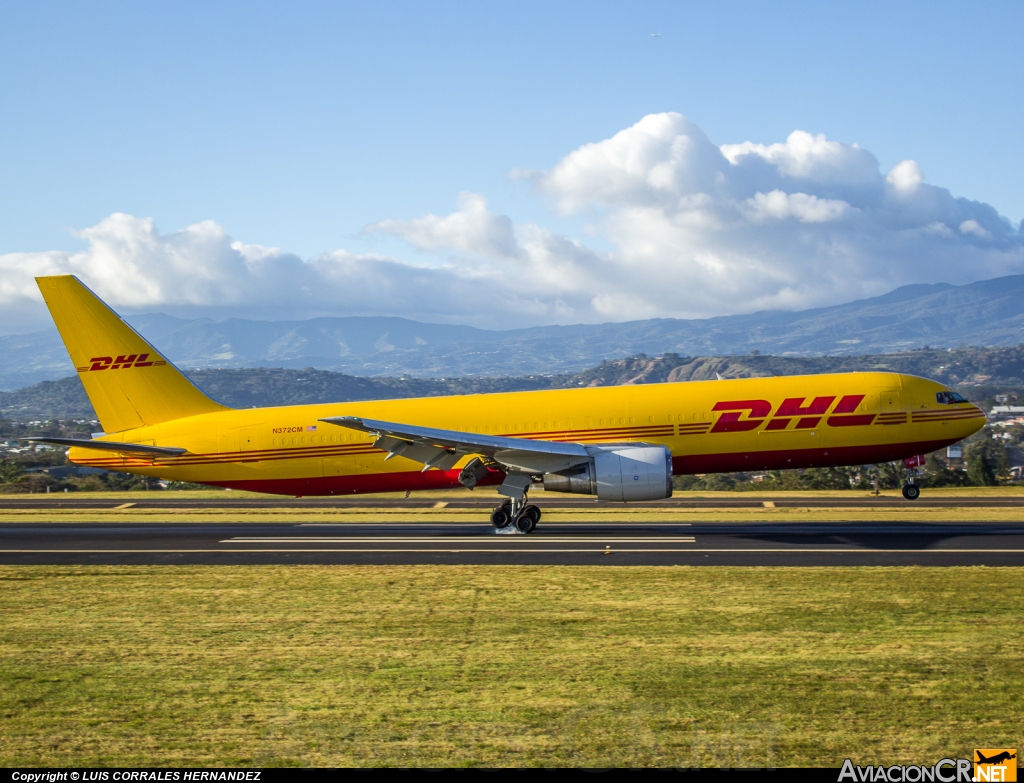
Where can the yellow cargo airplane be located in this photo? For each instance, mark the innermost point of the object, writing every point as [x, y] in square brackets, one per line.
[620, 443]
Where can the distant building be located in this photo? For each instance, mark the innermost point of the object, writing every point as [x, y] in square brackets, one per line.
[954, 452]
[1019, 421]
[1006, 411]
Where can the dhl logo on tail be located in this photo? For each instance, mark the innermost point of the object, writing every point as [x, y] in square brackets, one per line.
[122, 362]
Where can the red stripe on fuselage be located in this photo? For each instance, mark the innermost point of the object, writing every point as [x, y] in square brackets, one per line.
[358, 485]
[831, 456]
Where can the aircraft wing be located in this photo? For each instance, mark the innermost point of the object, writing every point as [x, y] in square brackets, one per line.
[436, 448]
[109, 445]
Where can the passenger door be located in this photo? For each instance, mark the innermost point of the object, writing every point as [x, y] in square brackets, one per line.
[890, 411]
[249, 446]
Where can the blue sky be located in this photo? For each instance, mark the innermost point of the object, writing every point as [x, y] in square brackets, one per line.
[297, 125]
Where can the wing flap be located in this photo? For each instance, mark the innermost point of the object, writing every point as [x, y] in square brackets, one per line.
[465, 442]
[443, 448]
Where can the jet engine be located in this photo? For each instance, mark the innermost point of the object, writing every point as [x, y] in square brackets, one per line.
[623, 473]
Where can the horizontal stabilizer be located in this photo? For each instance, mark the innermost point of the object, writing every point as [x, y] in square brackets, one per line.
[109, 445]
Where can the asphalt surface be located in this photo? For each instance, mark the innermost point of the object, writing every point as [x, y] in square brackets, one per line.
[732, 543]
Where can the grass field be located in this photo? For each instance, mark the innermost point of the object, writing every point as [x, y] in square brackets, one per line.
[440, 665]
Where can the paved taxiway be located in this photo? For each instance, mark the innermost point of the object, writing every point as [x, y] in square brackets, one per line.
[606, 543]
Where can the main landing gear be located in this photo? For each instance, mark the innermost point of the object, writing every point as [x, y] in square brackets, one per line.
[516, 511]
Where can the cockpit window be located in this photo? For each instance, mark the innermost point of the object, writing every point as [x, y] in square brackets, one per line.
[948, 397]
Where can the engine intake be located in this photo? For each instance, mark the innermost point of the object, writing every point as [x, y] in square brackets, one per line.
[625, 473]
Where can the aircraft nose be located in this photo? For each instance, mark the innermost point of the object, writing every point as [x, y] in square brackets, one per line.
[977, 421]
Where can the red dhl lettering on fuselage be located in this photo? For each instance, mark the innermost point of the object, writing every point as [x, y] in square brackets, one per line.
[792, 409]
[122, 362]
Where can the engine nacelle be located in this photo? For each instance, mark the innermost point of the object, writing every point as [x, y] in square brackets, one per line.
[624, 473]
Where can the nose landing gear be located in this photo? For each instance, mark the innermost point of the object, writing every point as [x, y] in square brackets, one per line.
[910, 490]
[516, 511]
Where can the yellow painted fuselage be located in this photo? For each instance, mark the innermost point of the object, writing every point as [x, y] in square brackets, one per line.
[710, 426]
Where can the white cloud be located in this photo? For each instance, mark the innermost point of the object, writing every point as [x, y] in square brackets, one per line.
[657, 160]
[905, 176]
[739, 227]
[472, 229]
[808, 157]
[940, 229]
[201, 270]
[805, 208]
[975, 228]
[687, 229]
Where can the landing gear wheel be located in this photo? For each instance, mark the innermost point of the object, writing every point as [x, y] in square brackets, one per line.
[533, 511]
[911, 491]
[525, 523]
[501, 516]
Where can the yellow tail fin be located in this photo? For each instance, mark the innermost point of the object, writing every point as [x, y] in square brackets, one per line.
[128, 382]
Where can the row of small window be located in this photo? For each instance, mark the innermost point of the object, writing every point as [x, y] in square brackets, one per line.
[538, 426]
[298, 440]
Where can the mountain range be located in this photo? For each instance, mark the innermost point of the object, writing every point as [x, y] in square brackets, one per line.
[986, 313]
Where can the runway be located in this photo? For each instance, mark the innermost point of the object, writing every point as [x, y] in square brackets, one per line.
[697, 544]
